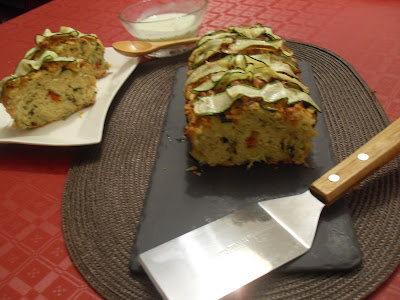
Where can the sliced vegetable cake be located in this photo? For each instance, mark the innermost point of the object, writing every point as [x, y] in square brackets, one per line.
[72, 43]
[47, 89]
[245, 102]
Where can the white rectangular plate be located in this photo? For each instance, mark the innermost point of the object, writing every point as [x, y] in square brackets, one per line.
[84, 127]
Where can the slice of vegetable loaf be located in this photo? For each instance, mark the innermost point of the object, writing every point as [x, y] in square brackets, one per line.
[72, 43]
[47, 89]
[245, 102]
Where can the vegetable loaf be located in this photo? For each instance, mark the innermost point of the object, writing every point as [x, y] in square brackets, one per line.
[245, 102]
[72, 43]
[47, 89]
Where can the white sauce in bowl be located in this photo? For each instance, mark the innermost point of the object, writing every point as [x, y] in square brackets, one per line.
[169, 26]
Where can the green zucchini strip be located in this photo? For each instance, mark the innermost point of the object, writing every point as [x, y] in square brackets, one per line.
[270, 93]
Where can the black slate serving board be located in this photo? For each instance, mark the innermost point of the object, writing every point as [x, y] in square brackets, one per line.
[179, 201]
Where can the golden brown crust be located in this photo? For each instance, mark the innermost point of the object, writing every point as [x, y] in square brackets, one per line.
[54, 40]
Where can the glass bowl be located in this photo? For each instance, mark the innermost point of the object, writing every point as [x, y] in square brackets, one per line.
[164, 20]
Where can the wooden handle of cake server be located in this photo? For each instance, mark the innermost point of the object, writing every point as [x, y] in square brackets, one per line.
[374, 154]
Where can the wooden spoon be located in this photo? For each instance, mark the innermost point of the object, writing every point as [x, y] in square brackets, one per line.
[139, 48]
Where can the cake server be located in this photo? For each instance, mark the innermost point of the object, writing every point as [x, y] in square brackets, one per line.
[222, 256]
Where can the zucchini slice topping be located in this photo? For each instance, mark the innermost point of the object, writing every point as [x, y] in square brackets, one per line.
[270, 93]
[25, 66]
[243, 61]
[248, 67]
[66, 31]
[255, 31]
[63, 31]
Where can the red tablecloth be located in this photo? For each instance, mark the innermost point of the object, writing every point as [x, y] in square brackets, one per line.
[34, 262]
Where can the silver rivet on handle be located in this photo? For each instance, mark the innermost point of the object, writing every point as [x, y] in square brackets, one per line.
[363, 156]
[334, 177]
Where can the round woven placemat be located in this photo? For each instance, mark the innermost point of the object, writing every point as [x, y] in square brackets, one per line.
[107, 184]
